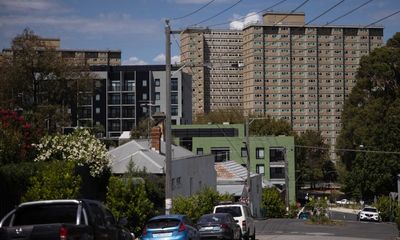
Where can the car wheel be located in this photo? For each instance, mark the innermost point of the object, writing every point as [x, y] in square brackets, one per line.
[253, 237]
[246, 236]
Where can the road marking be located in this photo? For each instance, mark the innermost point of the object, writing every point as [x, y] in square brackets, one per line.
[320, 234]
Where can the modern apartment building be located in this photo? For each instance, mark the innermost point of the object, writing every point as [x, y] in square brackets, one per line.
[89, 57]
[212, 58]
[124, 95]
[303, 73]
[270, 156]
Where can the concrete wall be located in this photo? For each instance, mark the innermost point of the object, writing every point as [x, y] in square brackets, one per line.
[191, 175]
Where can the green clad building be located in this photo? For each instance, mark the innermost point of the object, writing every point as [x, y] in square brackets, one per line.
[227, 142]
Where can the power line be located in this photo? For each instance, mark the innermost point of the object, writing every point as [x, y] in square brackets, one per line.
[325, 12]
[195, 11]
[348, 150]
[264, 10]
[294, 10]
[349, 12]
[219, 13]
[380, 20]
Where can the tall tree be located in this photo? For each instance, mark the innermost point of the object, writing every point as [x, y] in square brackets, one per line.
[39, 81]
[311, 157]
[371, 120]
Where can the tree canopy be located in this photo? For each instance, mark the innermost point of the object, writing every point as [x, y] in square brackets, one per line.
[36, 79]
[371, 124]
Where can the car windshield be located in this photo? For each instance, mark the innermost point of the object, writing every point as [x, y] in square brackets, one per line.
[212, 219]
[369, 209]
[163, 223]
[234, 211]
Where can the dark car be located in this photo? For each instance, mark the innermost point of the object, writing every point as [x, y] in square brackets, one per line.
[218, 226]
[177, 227]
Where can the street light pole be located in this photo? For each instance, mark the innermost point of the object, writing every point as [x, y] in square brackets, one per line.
[168, 181]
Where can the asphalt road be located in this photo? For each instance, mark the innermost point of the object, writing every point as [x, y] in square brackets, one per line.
[290, 229]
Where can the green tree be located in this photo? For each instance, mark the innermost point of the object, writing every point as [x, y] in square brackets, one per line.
[371, 118]
[127, 197]
[270, 126]
[310, 156]
[272, 203]
[56, 180]
[199, 204]
[38, 80]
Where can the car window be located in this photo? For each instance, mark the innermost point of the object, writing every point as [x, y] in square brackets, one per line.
[46, 214]
[97, 214]
[233, 210]
[370, 209]
[187, 221]
[163, 223]
[211, 218]
[110, 220]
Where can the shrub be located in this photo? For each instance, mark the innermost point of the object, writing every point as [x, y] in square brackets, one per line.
[55, 180]
[272, 203]
[127, 197]
[199, 204]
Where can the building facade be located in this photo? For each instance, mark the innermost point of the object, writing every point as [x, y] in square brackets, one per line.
[90, 57]
[303, 73]
[212, 58]
[270, 156]
[124, 95]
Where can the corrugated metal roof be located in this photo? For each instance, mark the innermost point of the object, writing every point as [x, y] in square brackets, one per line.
[139, 153]
[231, 170]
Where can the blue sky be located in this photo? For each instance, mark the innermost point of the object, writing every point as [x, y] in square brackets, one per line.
[136, 27]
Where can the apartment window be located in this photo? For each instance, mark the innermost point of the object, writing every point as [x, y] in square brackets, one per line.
[221, 154]
[260, 169]
[174, 111]
[97, 110]
[199, 151]
[144, 83]
[243, 152]
[174, 98]
[144, 96]
[174, 84]
[260, 153]
[128, 98]
[114, 99]
[277, 172]
[157, 82]
[97, 97]
[157, 96]
[277, 154]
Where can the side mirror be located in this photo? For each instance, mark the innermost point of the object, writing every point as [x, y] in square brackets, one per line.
[122, 221]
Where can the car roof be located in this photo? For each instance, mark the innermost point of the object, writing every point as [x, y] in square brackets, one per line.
[215, 214]
[169, 216]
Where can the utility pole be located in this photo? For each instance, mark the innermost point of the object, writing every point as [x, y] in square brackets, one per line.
[168, 180]
[286, 182]
[248, 163]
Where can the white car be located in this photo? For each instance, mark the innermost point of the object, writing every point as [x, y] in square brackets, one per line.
[344, 202]
[369, 214]
[241, 213]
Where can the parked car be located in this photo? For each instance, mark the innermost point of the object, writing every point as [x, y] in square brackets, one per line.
[369, 214]
[63, 219]
[304, 215]
[218, 225]
[177, 227]
[344, 201]
[242, 214]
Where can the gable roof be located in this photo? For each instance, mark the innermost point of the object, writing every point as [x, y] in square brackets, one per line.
[231, 170]
[139, 152]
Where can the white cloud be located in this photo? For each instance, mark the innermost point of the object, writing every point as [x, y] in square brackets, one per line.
[29, 6]
[160, 59]
[251, 17]
[103, 24]
[134, 61]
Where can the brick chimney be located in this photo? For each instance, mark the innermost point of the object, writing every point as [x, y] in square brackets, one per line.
[156, 139]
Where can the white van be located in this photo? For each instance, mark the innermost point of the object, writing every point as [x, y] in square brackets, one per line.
[242, 214]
